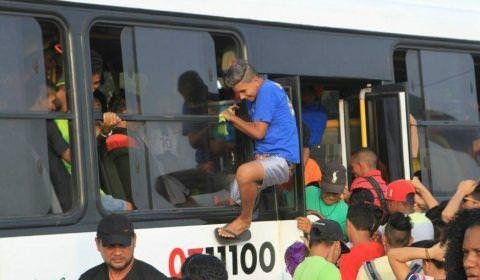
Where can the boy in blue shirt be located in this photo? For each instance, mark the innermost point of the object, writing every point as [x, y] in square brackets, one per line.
[277, 149]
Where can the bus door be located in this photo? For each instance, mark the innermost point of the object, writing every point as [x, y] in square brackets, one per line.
[291, 85]
[379, 123]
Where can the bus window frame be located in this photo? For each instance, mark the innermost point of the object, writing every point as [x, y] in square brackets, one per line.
[208, 213]
[76, 213]
[453, 47]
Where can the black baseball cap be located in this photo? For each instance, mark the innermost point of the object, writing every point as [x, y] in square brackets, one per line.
[328, 230]
[115, 229]
[334, 177]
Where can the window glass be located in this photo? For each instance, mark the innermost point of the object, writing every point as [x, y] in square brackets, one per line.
[415, 93]
[169, 150]
[448, 84]
[174, 70]
[442, 87]
[448, 155]
[36, 180]
[320, 114]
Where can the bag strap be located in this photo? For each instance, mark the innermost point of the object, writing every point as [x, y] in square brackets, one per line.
[414, 268]
[380, 196]
[372, 271]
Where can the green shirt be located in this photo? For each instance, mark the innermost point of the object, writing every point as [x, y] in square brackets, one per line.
[316, 267]
[336, 212]
[64, 131]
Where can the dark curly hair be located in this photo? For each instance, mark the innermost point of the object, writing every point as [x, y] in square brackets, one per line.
[398, 230]
[455, 235]
[203, 267]
[363, 217]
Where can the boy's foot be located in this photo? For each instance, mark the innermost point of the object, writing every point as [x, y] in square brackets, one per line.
[233, 229]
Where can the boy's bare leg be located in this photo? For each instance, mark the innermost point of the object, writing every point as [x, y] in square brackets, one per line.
[248, 174]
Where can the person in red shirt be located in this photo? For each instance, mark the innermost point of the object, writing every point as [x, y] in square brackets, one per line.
[364, 168]
[362, 223]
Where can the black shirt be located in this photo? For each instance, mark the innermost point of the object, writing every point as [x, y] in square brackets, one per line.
[140, 271]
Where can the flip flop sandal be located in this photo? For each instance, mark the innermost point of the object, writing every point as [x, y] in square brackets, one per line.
[237, 238]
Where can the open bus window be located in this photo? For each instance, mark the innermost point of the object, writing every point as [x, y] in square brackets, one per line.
[35, 120]
[169, 151]
[444, 115]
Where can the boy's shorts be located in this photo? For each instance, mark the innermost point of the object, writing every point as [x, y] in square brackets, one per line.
[276, 172]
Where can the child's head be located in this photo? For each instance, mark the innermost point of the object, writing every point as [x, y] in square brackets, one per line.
[363, 161]
[334, 181]
[294, 255]
[202, 267]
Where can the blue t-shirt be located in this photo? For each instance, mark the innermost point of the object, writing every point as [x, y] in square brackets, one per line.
[273, 106]
[315, 117]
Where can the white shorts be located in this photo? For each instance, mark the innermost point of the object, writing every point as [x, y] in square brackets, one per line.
[276, 172]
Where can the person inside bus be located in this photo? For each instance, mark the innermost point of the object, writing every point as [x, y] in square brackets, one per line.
[398, 233]
[116, 240]
[97, 71]
[274, 129]
[109, 139]
[58, 137]
[313, 113]
[59, 155]
[196, 97]
[211, 148]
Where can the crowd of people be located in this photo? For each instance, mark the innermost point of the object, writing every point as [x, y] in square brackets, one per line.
[388, 231]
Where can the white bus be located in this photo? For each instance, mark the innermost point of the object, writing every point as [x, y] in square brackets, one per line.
[415, 65]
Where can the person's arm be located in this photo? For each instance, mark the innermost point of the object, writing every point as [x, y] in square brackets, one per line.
[57, 143]
[398, 258]
[110, 121]
[424, 193]
[66, 155]
[256, 130]
[114, 204]
[304, 224]
[465, 188]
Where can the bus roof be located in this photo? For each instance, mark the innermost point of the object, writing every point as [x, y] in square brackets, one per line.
[432, 18]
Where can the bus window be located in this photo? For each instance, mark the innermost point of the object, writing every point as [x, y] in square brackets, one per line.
[35, 120]
[169, 151]
[444, 116]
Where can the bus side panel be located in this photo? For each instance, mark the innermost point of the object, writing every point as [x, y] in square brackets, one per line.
[67, 256]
